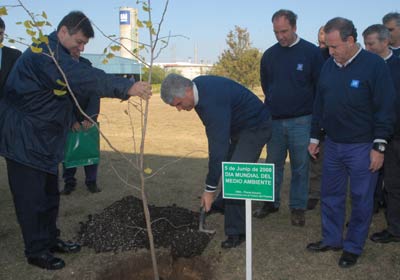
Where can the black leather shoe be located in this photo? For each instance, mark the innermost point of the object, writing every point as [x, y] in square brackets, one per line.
[319, 247]
[384, 237]
[233, 241]
[312, 203]
[47, 261]
[347, 259]
[265, 210]
[68, 188]
[93, 188]
[65, 247]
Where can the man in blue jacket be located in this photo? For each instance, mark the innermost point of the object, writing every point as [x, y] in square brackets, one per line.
[376, 40]
[34, 122]
[237, 126]
[354, 105]
[289, 73]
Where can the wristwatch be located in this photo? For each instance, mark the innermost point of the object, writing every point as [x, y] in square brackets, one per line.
[379, 147]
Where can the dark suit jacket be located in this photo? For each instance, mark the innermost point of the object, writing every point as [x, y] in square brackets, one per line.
[8, 58]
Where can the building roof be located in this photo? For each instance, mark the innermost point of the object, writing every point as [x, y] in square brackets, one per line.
[116, 65]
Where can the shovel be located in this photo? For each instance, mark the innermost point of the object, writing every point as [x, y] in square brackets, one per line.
[203, 221]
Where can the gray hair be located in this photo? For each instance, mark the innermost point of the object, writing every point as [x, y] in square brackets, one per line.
[380, 29]
[344, 26]
[392, 16]
[174, 85]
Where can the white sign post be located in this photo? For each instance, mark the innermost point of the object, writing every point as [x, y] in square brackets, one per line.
[248, 181]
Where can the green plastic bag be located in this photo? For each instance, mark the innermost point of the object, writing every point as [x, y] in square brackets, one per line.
[82, 148]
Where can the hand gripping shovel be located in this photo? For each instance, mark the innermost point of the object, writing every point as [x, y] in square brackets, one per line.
[203, 221]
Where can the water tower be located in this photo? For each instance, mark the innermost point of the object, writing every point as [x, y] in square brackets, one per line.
[128, 31]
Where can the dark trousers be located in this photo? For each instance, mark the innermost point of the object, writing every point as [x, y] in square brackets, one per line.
[90, 174]
[392, 186]
[36, 200]
[342, 162]
[244, 147]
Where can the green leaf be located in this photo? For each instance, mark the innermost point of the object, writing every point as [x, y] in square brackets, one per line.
[110, 55]
[3, 11]
[115, 48]
[27, 24]
[31, 32]
[59, 92]
[44, 15]
[61, 83]
[105, 61]
[18, 22]
[35, 41]
[40, 23]
[105, 50]
[36, 49]
[44, 39]
[11, 41]
[139, 24]
[146, 9]
[48, 23]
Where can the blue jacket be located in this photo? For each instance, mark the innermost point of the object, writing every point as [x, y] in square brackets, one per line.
[226, 108]
[355, 103]
[33, 120]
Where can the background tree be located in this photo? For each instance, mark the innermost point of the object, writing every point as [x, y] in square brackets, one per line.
[158, 74]
[240, 61]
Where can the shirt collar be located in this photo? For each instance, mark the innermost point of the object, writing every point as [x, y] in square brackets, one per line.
[195, 95]
[394, 48]
[389, 56]
[295, 41]
[350, 60]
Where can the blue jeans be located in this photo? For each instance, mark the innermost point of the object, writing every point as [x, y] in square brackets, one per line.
[291, 135]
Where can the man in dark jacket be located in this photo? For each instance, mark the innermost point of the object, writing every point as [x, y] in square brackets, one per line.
[34, 122]
[237, 127]
[376, 40]
[354, 105]
[8, 56]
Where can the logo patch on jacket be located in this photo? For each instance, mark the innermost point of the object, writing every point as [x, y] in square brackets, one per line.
[299, 67]
[355, 83]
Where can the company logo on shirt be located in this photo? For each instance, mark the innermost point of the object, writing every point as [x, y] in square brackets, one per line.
[355, 83]
[299, 67]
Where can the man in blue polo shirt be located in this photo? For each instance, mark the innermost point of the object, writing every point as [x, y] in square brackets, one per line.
[376, 40]
[237, 126]
[289, 73]
[354, 105]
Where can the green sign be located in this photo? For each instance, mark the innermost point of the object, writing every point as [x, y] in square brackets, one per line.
[253, 181]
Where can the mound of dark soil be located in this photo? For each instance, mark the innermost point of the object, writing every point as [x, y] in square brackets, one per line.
[121, 227]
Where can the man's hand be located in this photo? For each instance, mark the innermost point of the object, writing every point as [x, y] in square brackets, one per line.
[376, 160]
[313, 149]
[86, 124]
[76, 127]
[141, 89]
[206, 200]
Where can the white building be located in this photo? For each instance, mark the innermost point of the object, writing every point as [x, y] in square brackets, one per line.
[186, 69]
